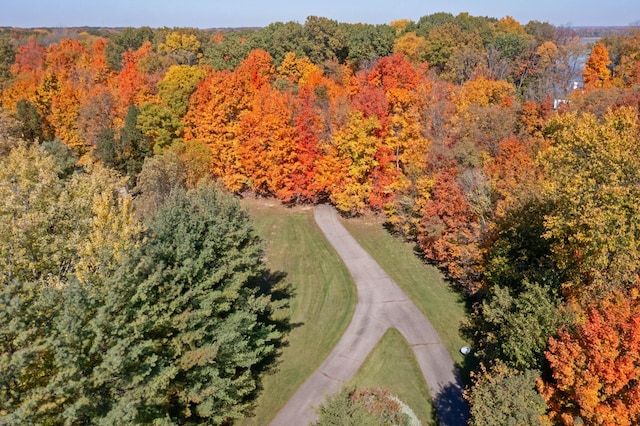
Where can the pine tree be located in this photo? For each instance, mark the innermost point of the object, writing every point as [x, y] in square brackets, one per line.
[186, 331]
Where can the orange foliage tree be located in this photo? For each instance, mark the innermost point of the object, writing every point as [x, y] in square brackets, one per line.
[27, 70]
[596, 367]
[449, 229]
[300, 184]
[596, 73]
[267, 141]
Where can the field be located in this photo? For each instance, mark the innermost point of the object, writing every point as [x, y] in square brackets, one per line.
[324, 298]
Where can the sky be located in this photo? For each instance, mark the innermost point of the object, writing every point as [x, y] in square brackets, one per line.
[259, 13]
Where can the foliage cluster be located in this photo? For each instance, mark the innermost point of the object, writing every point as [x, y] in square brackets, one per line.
[106, 320]
[445, 124]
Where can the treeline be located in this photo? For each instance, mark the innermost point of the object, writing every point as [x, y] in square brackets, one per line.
[445, 124]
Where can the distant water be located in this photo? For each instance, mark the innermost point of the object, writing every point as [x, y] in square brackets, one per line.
[587, 40]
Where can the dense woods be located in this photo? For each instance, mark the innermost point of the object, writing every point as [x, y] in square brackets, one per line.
[508, 153]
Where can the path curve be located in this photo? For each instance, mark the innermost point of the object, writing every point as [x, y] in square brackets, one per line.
[381, 305]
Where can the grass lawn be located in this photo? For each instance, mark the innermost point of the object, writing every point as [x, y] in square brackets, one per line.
[324, 298]
[423, 283]
[391, 364]
[322, 305]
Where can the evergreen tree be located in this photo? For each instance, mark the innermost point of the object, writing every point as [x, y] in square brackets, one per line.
[185, 330]
[126, 152]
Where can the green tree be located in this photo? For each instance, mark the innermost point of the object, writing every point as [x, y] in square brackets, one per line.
[368, 42]
[506, 397]
[516, 325]
[354, 407]
[7, 58]
[61, 235]
[325, 40]
[227, 50]
[126, 152]
[129, 39]
[186, 330]
[279, 39]
[178, 333]
[27, 114]
[10, 132]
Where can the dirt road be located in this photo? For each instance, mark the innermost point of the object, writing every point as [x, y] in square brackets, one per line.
[381, 305]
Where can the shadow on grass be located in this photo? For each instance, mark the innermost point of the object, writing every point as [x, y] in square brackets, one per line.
[272, 284]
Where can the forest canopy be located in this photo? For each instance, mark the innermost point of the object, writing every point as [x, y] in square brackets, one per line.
[507, 152]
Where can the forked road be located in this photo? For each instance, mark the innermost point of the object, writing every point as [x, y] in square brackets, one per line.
[381, 305]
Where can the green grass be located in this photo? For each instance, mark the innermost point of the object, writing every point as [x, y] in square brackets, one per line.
[324, 298]
[322, 305]
[423, 283]
[391, 364]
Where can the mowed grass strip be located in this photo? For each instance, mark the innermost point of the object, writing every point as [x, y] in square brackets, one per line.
[324, 298]
[423, 283]
[392, 365]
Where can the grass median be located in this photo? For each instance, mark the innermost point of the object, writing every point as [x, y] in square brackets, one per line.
[392, 365]
[423, 283]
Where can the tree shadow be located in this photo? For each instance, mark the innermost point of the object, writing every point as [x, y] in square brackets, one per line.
[450, 408]
[272, 284]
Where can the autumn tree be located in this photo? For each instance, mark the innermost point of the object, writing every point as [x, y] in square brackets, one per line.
[412, 46]
[596, 73]
[504, 396]
[356, 148]
[161, 175]
[267, 142]
[591, 171]
[624, 51]
[184, 48]
[27, 70]
[595, 366]
[449, 229]
[300, 183]
[54, 224]
[161, 120]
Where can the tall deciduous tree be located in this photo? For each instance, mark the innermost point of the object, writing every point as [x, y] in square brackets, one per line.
[596, 367]
[503, 396]
[592, 178]
[596, 72]
[54, 227]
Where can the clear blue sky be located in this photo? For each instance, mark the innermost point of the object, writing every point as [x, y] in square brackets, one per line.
[237, 13]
